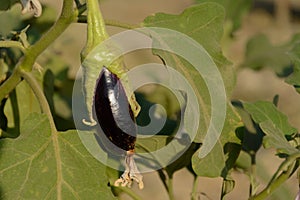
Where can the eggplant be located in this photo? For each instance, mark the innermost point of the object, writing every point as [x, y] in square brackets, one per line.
[113, 111]
[117, 121]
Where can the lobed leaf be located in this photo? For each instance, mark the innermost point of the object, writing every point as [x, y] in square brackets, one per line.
[44, 165]
[235, 10]
[261, 53]
[204, 24]
[275, 138]
[262, 111]
[294, 78]
[283, 59]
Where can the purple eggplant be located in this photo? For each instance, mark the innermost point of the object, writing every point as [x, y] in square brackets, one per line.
[117, 122]
[113, 111]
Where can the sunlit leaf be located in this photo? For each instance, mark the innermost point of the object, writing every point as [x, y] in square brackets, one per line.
[262, 111]
[235, 10]
[275, 138]
[41, 164]
[204, 24]
[294, 78]
[261, 53]
[10, 20]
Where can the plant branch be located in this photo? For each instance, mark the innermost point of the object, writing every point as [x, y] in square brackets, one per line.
[121, 24]
[96, 30]
[16, 44]
[10, 84]
[109, 22]
[81, 9]
[170, 188]
[287, 168]
[252, 175]
[36, 88]
[67, 16]
[195, 188]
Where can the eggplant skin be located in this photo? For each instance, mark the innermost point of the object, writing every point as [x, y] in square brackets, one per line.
[113, 111]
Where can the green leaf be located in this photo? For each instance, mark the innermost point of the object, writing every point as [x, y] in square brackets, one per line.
[294, 78]
[9, 20]
[204, 24]
[250, 134]
[7, 4]
[23, 103]
[150, 144]
[183, 161]
[261, 53]
[210, 166]
[275, 138]
[41, 164]
[219, 161]
[38, 26]
[235, 10]
[262, 111]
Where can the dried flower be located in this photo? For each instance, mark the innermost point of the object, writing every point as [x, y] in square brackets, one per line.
[32, 6]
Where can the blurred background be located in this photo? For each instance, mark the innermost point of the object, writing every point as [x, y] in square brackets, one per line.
[278, 20]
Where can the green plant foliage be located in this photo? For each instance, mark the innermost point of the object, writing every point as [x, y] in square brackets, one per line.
[203, 23]
[262, 111]
[13, 16]
[54, 166]
[42, 156]
[20, 104]
[275, 138]
[261, 53]
[5, 5]
[235, 10]
[280, 58]
[294, 78]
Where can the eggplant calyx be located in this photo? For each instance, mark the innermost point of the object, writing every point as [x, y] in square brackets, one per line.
[130, 174]
[135, 107]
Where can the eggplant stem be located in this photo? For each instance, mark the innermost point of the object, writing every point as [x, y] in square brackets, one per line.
[131, 173]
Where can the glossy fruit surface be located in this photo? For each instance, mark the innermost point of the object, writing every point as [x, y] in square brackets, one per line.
[113, 111]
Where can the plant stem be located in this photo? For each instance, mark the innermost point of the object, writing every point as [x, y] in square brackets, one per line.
[274, 185]
[252, 188]
[10, 84]
[170, 188]
[195, 188]
[130, 193]
[67, 16]
[96, 30]
[287, 168]
[109, 22]
[7, 44]
[36, 88]
[121, 24]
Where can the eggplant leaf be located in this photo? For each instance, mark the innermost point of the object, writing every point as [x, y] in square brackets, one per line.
[204, 24]
[40, 164]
